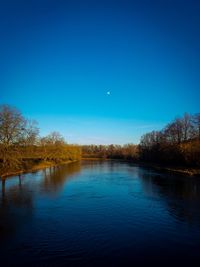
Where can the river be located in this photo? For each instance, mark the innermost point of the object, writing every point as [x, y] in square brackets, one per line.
[99, 213]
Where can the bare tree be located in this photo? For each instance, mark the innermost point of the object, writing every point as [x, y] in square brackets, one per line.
[31, 133]
[196, 121]
[187, 126]
[12, 129]
[174, 131]
[12, 125]
[54, 138]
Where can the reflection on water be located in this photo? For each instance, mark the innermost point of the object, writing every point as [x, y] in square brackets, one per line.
[16, 202]
[99, 213]
[55, 177]
[181, 194]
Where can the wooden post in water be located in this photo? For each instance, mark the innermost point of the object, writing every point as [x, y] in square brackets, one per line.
[20, 180]
[3, 189]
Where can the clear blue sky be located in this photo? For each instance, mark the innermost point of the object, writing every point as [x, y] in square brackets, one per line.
[59, 58]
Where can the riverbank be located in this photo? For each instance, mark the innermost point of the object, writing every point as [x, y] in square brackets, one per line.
[36, 167]
[183, 171]
[172, 169]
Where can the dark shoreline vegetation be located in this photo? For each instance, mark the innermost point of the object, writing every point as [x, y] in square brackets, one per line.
[22, 149]
[176, 148]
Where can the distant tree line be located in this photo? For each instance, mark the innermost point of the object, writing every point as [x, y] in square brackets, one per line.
[128, 151]
[177, 144]
[21, 145]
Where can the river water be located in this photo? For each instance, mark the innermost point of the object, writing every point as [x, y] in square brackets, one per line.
[99, 213]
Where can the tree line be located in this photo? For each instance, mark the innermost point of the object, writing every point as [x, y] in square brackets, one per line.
[127, 152]
[178, 143]
[21, 146]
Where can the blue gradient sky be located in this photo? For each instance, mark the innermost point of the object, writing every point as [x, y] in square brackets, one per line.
[59, 58]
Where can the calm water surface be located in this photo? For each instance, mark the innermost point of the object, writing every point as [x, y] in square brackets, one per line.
[99, 214]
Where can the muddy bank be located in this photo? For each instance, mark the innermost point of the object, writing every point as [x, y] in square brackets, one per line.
[173, 169]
